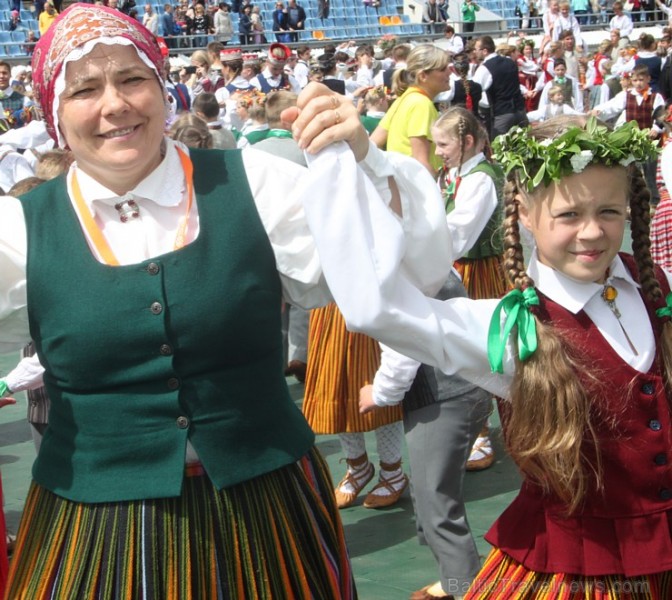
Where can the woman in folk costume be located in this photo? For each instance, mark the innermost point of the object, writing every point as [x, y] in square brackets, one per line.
[175, 464]
[580, 350]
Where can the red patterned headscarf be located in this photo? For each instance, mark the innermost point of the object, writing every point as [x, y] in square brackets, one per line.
[72, 35]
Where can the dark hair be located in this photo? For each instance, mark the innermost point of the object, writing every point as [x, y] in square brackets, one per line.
[207, 104]
[641, 69]
[327, 62]
[559, 61]
[487, 43]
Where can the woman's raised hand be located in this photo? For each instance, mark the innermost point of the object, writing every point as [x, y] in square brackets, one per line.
[323, 117]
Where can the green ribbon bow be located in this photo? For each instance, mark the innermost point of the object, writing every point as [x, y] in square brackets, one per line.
[4, 388]
[516, 305]
[666, 311]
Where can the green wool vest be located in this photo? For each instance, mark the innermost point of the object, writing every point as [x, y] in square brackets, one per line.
[489, 243]
[140, 358]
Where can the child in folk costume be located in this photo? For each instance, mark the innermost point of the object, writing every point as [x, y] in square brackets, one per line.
[528, 73]
[470, 186]
[637, 104]
[554, 107]
[339, 364]
[375, 104]
[580, 349]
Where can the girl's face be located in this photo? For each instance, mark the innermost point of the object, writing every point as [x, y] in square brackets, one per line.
[527, 51]
[578, 223]
[241, 111]
[448, 147]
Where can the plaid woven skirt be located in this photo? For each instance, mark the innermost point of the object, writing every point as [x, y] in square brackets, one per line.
[503, 578]
[278, 536]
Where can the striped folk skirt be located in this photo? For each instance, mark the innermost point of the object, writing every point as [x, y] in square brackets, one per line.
[483, 278]
[277, 536]
[339, 364]
[502, 578]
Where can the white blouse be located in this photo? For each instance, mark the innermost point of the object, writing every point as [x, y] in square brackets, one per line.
[475, 202]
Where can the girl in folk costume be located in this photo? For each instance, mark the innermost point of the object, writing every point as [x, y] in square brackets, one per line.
[251, 110]
[528, 73]
[466, 93]
[375, 105]
[580, 349]
[595, 74]
[471, 187]
[340, 363]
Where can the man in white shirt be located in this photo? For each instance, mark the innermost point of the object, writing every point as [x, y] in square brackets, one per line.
[453, 43]
[150, 19]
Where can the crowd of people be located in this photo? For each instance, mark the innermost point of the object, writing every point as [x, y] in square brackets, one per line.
[371, 245]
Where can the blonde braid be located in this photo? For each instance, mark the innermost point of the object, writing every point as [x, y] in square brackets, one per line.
[640, 217]
[461, 135]
[545, 392]
[513, 260]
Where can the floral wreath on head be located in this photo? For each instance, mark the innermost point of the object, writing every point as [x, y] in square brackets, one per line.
[541, 162]
[251, 97]
[525, 42]
[378, 93]
[387, 42]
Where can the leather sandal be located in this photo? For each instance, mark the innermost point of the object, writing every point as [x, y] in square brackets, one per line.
[345, 499]
[374, 500]
[483, 447]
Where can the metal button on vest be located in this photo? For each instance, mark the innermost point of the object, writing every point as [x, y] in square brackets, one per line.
[648, 388]
[660, 459]
[156, 308]
[173, 383]
[152, 268]
[182, 422]
[654, 425]
[166, 349]
[665, 494]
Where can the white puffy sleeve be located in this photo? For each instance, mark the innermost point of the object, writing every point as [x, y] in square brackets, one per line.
[278, 187]
[379, 271]
[13, 301]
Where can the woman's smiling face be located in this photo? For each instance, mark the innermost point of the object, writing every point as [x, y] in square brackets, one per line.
[112, 116]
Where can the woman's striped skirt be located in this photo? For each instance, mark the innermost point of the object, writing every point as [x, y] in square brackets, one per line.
[503, 578]
[339, 364]
[278, 536]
